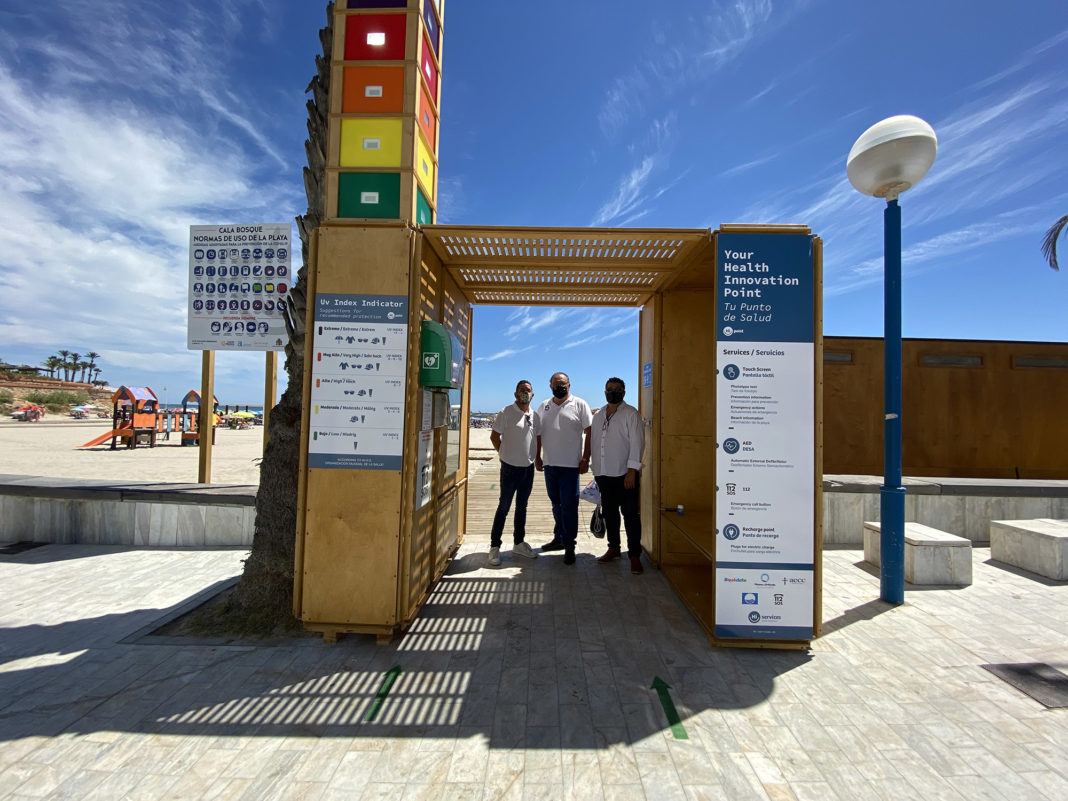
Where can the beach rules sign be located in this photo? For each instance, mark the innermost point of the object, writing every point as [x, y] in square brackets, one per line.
[766, 444]
[239, 278]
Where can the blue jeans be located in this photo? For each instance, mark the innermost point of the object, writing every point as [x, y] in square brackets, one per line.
[562, 484]
[517, 481]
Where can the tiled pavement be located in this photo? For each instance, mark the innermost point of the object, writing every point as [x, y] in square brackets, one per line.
[529, 681]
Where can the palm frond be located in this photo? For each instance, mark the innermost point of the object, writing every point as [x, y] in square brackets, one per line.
[1049, 241]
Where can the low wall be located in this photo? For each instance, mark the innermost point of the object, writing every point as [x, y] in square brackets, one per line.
[78, 511]
[87, 512]
[961, 506]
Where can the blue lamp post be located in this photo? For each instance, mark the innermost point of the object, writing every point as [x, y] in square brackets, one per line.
[889, 158]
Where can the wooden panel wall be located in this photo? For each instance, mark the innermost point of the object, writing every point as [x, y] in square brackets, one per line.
[436, 528]
[687, 415]
[994, 418]
[649, 408]
[351, 519]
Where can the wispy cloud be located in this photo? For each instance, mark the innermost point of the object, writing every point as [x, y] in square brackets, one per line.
[528, 320]
[628, 193]
[748, 165]
[930, 253]
[1026, 60]
[665, 71]
[504, 354]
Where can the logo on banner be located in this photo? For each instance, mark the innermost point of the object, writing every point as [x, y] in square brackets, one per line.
[749, 598]
[731, 445]
[731, 531]
[754, 616]
[731, 372]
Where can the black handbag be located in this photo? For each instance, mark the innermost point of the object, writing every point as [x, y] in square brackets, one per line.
[597, 523]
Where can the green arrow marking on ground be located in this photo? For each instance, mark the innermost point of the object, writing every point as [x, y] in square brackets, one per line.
[674, 721]
[383, 691]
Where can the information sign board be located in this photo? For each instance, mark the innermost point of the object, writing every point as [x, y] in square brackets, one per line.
[239, 277]
[359, 363]
[765, 423]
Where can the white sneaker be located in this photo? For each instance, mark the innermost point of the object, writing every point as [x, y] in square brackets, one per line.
[494, 557]
[524, 550]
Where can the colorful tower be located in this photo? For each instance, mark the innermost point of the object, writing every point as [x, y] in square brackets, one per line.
[382, 162]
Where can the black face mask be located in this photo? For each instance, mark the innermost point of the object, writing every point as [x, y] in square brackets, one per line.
[613, 395]
[560, 392]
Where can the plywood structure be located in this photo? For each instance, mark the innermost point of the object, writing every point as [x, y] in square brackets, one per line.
[970, 408]
[368, 553]
[366, 556]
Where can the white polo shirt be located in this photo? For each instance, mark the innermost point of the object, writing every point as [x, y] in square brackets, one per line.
[561, 428]
[516, 428]
[617, 442]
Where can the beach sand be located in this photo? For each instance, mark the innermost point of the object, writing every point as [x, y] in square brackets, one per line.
[50, 448]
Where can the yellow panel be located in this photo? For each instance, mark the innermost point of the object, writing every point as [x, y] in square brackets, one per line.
[371, 142]
[424, 167]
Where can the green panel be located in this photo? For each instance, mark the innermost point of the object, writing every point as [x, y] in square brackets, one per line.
[368, 194]
[423, 213]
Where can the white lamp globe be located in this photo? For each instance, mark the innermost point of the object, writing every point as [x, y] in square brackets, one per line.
[892, 156]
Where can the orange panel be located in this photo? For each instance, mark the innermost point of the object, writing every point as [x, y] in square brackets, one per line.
[428, 122]
[373, 89]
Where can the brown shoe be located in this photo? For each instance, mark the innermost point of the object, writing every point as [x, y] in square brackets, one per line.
[636, 565]
[609, 556]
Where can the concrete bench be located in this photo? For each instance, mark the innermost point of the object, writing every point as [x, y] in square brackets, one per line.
[1040, 546]
[931, 556]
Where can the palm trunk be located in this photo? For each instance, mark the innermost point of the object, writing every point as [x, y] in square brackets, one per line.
[263, 600]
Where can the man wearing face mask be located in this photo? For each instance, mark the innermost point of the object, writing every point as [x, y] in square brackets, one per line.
[563, 452]
[618, 444]
[513, 438]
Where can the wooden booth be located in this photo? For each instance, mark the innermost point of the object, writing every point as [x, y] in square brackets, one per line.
[382, 497]
[377, 527]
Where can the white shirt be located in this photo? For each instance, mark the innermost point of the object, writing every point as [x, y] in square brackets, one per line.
[617, 442]
[561, 428]
[516, 428]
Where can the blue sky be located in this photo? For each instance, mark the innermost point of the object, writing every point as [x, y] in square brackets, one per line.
[122, 123]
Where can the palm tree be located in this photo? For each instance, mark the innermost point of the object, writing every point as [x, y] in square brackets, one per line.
[1049, 241]
[264, 597]
[72, 365]
[52, 363]
[64, 354]
[92, 363]
[83, 366]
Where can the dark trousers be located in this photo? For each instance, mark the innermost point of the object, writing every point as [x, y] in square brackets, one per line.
[563, 487]
[516, 481]
[616, 498]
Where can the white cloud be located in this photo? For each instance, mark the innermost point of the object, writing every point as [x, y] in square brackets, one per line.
[504, 354]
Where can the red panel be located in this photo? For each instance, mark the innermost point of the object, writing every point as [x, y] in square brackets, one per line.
[430, 72]
[390, 26]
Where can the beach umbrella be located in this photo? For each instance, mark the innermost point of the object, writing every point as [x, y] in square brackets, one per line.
[242, 414]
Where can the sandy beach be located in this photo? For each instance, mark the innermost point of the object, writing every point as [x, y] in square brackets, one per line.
[51, 448]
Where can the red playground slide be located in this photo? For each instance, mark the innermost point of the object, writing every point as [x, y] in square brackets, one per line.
[105, 437]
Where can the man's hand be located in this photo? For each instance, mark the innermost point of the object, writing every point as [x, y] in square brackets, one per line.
[584, 465]
[538, 464]
[628, 479]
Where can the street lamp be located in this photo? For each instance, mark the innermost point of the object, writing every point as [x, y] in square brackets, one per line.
[889, 158]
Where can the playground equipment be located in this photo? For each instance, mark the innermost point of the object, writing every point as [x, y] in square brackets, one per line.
[189, 418]
[134, 418]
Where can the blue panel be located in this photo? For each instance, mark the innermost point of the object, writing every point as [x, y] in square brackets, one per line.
[765, 288]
